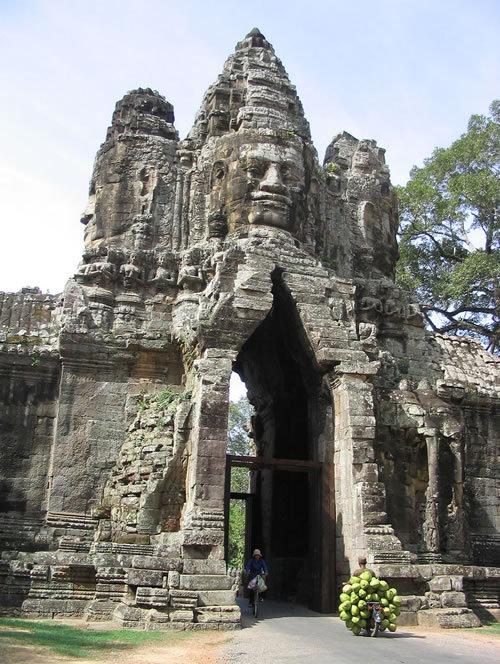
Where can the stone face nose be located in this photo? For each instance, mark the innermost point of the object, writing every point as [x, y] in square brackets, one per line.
[272, 181]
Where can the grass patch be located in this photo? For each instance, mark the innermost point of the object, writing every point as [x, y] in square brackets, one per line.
[76, 642]
[491, 628]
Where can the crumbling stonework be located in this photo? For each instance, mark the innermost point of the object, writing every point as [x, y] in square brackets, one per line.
[234, 249]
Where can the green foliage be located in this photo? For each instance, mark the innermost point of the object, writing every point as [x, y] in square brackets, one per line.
[74, 642]
[236, 533]
[332, 167]
[238, 440]
[238, 443]
[450, 233]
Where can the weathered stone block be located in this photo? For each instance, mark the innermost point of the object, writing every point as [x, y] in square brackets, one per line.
[452, 599]
[174, 579]
[216, 597]
[128, 613]
[204, 582]
[157, 562]
[219, 614]
[182, 616]
[152, 596]
[440, 584]
[448, 618]
[196, 566]
[144, 577]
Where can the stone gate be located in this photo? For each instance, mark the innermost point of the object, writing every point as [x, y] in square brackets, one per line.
[235, 250]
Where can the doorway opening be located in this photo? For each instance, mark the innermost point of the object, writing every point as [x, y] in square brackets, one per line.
[289, 507]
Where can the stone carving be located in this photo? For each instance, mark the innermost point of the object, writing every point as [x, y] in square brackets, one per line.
[234, 249]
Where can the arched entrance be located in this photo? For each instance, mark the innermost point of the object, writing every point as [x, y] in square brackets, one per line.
[290, 512]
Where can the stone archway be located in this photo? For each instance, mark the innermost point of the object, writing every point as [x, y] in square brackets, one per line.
[291, 403]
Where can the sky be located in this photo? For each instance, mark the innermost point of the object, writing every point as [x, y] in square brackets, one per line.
[408, 74]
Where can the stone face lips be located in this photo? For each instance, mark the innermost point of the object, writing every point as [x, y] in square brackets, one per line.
[234, 249]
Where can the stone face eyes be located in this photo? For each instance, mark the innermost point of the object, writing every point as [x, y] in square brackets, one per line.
[258, 169]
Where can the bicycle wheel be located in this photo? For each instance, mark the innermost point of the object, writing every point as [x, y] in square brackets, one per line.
[369, 626]
[256, 602]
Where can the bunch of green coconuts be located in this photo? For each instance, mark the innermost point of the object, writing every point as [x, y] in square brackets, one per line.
[354, 598]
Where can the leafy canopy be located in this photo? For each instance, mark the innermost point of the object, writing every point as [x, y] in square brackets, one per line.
[238, 443]
[449, 233]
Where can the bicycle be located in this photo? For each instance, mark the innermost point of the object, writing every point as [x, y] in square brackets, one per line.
[373, 623]
[259, 579]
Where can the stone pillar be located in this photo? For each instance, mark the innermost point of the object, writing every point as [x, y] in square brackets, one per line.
[363, 527]
[431, 521]
[353, 458]
[204, 517]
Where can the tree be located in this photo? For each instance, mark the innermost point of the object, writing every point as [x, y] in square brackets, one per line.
[449, 233]
[238, 440]
[239, 443]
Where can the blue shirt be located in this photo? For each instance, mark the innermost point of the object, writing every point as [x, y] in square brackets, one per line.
[254, 567]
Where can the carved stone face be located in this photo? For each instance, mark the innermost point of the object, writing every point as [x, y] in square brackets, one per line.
[263, 181]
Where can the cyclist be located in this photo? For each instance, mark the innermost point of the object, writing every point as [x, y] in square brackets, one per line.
[256, 565]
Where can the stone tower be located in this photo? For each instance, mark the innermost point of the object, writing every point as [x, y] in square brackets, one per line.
[235, 250]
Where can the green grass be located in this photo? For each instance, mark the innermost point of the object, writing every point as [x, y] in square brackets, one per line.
[491, 628]
[75, 642]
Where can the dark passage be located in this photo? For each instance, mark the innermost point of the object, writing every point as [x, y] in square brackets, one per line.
[284, 387]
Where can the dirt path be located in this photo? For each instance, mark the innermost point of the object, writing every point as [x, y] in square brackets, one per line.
[198, 648]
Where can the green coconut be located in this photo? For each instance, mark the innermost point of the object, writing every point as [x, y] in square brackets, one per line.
[392, 627]
[344, 597]
[356, 629]
[366, 575]
[355, 579]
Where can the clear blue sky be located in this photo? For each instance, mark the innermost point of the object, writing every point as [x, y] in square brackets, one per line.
[408, 74]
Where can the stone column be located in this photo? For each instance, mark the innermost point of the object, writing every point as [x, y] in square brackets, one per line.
[431, 521]
[360, 496]
[353, 459]
[204, 517]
